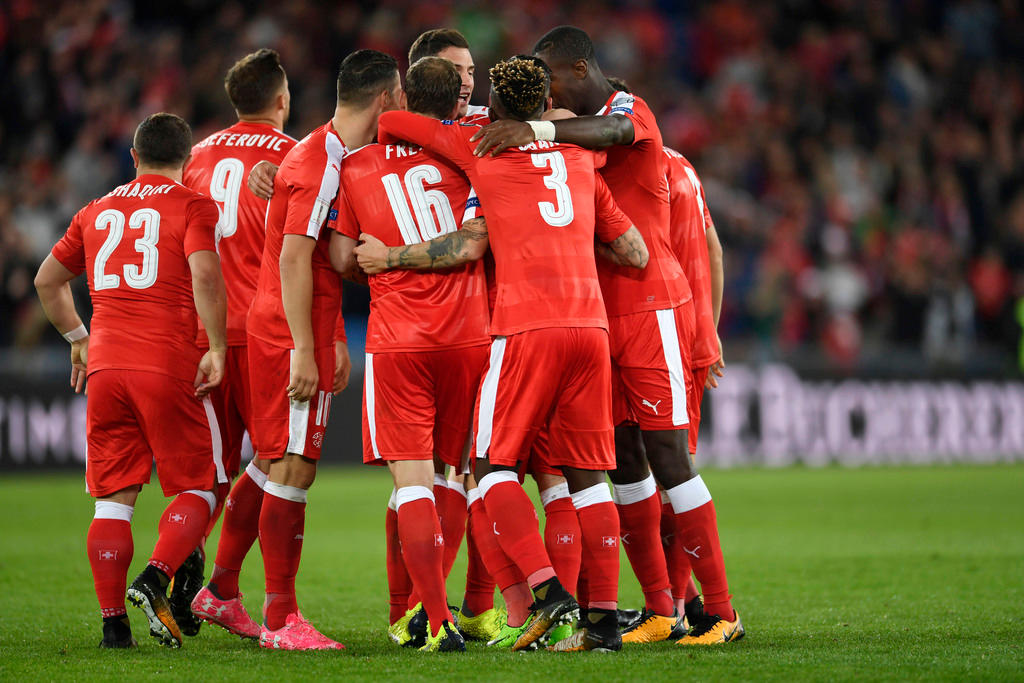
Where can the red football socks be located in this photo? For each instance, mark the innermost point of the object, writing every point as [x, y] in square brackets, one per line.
[181, 528]
[239, 531]
[515, 524]
[110, 549]
[479, 584]
[599, 524]
[697, 533]
[506, 574]
[282, 522]
[639, 509]
[683, 588]
[423, 549]
[399, 582]
[451, 509]
[562, 539]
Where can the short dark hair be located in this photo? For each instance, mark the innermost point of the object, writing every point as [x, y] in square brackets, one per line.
[619, 84]
[163, 140]
[433, 41]
[363, 74]
[522, 86]
[254, 81]
[432, 87]
[566, 42]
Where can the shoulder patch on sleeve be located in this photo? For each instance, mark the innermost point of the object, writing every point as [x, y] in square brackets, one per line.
[622, 103]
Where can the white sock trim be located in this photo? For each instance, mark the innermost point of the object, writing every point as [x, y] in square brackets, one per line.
[392, 504]
[258, 476]
[208, 496]
[554, 493]
[439, 480]
[108, 509]
[472, 496]
[495, 478]
[457, 487]
[598, 493]
[408, 494]
[292, 493]
[689, 495]
[627, 494]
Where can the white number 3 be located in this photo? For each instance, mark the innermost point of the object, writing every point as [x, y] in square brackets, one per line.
[135, 276]
[560, 213]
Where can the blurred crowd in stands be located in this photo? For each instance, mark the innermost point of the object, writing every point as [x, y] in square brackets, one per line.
[863, 160]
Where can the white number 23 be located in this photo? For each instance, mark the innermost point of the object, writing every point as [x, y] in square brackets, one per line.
[135, 276]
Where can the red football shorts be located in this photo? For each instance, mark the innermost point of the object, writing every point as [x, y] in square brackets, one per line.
[540, 456]
[416, 404]
[231, 401]
[554, 377]
[134, 417]
[280, 425]
[651, 367]
[693, 401]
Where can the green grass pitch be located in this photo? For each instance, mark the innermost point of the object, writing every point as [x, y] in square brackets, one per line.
[902, 573]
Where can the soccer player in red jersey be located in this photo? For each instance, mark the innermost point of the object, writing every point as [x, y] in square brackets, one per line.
[651, 326]
[450, 44]
[426, 345]
[149, 251]
[258, 89]
[696, 246]
[549, 358]
[291, 330]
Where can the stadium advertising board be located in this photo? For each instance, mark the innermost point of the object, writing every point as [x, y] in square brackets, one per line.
[760, 415]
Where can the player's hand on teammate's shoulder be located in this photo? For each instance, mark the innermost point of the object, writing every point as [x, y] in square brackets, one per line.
[501, 135]
[304, 375]
[342, 367]
[210, 372]
[717, 368]
[79, 362]
[371, 254]
[261, 179]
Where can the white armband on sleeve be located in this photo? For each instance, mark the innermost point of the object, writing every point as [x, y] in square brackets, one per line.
[77, 334]
[542, 130]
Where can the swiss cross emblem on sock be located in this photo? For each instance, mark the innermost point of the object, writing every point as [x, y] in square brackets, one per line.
[564, 539]
[438, 540]
[177, 518]
[108, 554]
[609, 541]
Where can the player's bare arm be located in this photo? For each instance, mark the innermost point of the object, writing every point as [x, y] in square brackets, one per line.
[342, 367]
[343, 257]
[212, 305]
[261, 179]
[468, 243]
[717, 285]
[591, 132]
[53, 287]
[628, 249]
[297, 296]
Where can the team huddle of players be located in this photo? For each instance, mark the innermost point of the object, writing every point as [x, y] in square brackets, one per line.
[545, 283]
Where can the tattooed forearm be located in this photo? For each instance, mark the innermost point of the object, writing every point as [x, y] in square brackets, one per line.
[629, 249]
[464, 245]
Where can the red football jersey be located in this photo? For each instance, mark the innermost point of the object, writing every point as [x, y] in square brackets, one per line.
[636, 175]
[406, 195]
[477, 115]
[690, 221]
[305, 189]
[134, 245]
[219, 168]
[542, 202]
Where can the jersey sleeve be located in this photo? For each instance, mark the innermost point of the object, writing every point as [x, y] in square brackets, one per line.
[610, 221]
[447, 138]
[310, 198]
[201, 225]
[473, 209]
[342, 218]
[70, 249]
[644, 126]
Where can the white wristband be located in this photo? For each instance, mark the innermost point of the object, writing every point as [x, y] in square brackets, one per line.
[542, 130]
[77, 334]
